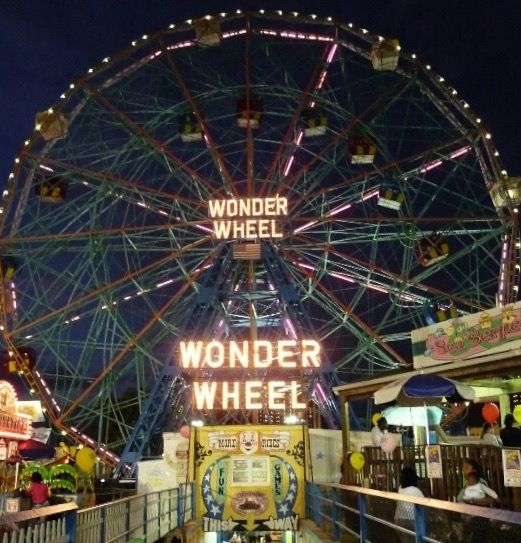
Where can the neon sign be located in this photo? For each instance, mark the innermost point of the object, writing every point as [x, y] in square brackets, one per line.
[248, 218]
[253, 394]
[258, 354]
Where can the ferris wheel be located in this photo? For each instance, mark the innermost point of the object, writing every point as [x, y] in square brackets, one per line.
[388, 218]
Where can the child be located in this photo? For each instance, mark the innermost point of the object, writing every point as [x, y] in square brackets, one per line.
[38, 491]
[476, 492]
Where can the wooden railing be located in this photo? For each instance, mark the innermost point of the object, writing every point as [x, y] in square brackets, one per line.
[381, 471]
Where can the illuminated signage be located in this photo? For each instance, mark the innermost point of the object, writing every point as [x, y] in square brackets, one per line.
[287, 353]
[257, 355]
[248, 218]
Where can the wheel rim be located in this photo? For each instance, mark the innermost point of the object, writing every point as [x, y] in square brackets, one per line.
[104, 282]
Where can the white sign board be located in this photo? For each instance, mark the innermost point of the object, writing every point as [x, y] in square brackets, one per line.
[495, 331]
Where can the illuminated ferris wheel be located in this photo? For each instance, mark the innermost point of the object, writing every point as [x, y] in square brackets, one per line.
[377, 185]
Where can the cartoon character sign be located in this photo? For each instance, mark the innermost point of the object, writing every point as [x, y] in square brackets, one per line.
[251, 479]
[248, 442]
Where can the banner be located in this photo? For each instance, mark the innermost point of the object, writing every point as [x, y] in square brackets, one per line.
[434, 467]
[250, 478]
[175, 454]
[495, 331]
[511, 467]
[33, 408]
[154, 476]
[41, 434]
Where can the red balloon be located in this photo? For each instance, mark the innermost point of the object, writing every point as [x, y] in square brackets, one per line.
[185, 431]
[490, 412]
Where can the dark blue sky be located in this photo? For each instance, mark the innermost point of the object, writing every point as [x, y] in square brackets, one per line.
[475, 46]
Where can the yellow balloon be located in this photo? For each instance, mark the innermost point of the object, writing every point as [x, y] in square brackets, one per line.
[376, 418]
[357, 460]
[85, 459]
[517, 413]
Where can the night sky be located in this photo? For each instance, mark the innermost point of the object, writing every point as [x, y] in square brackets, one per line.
[475, 46]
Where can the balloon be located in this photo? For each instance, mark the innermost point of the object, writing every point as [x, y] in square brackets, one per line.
[85, 459]
[388, 443]
[376, 418]
[490, 412]
[357, 460]
[517, 413]
[185, 431]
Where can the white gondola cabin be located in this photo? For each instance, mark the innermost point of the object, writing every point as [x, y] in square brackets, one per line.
[314, 122]
[436, 313]
[431, 249]
[51, 125]
[52, 189]
[506, 191]
[207, 32]
[361, 150]
[190, 128]
[385, 54]
[390, 196]
[249, 114]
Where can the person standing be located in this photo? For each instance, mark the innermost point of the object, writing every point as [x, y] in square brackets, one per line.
[489, 435]
[38, 491]
[404, 515]
[510, 435]
[379, 431]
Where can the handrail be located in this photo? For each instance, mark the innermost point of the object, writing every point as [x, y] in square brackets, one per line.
[512, 517]
[148, 516]
[362, 514]
[31, 514]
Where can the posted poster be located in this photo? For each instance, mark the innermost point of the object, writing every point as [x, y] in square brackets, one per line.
[250, 478]
[175, 454]
[511, 467]
[434, 467]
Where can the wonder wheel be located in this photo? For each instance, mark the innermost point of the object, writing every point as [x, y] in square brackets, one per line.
[378, 197]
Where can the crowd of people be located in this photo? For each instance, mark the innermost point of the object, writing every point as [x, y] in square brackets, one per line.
[475, 489]
[491, 434]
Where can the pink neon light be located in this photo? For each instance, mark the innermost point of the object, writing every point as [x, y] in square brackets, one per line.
[343, 277]
[379, 289]
[339, 209]
[437, 163]
[304, 226]
[321, 81]
[369, 195]
[332, 53]
[288, 165]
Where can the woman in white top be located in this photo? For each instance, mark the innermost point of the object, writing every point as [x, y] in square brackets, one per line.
[404, 515]
[489, 435]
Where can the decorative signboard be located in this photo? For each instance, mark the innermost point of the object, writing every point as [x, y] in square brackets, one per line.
[511, 467]
[13, 425]
[248, 218]
[286, 357]
[251, 477]
[495, 331]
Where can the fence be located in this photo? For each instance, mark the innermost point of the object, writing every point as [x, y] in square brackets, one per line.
[382, 471]
[141, 518]
[352, 514]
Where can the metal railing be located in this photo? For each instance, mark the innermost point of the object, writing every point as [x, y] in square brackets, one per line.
[354, 514]
[142, 518]
[346, 513]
